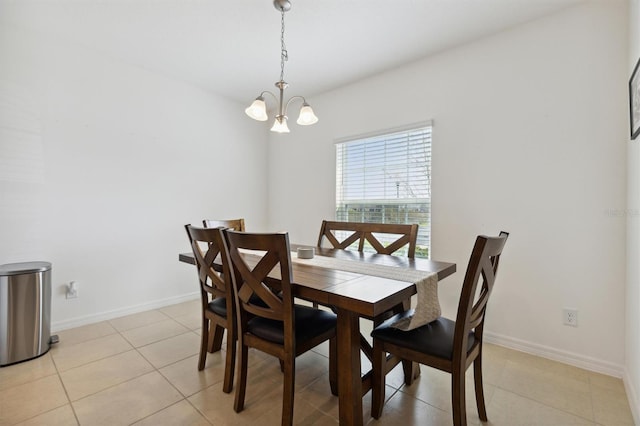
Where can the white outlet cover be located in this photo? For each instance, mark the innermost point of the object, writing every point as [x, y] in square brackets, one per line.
[570, 317]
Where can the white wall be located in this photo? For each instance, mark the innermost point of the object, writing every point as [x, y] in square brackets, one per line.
[99, 160]
[101, 163]
[529, 137]
[632, 323]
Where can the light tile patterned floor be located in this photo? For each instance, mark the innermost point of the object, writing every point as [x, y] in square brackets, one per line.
[142, 370]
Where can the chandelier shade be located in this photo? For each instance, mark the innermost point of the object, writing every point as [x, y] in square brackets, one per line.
[280, 125]
[307, 117]
[258, 108]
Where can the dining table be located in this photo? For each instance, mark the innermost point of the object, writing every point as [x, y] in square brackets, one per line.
[353, 295]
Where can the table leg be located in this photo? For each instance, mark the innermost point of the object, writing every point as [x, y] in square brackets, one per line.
[349, 380]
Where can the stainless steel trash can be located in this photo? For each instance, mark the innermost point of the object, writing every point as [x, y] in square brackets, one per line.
[25, 311]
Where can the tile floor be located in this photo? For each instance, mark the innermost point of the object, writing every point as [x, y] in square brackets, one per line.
[142, 370]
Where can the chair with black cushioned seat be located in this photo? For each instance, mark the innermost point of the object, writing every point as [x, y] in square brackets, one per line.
[444, 344]
[276, 325]
[216, 294]
[235, 224]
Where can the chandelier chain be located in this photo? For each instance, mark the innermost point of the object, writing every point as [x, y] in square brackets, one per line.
[284, 55]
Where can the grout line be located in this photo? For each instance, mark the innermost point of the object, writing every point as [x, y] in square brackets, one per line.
[496, 386]
[550, 406]
[66, 392]
[157, 370]
[115, 384]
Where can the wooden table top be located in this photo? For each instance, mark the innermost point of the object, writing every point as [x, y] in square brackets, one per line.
[366, 295]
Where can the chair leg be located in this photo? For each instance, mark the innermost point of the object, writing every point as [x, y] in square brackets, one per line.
[378, 383]
[411, 371]
[288, 390]
[216, 341]
[229, 367]
[241, 385]
[477, 376]
[458, 401]
[204, 341]
[333, 365]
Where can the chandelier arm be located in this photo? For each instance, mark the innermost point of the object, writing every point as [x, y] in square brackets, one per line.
[293, 98]
[275, 98]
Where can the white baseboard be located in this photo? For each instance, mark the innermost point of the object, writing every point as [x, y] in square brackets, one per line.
[548, 352]
[632, 396]
[103, 316]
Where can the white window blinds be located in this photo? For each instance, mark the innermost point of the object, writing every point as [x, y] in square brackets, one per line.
[386, 178]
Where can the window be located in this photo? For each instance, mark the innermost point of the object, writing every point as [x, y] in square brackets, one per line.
[386, 178]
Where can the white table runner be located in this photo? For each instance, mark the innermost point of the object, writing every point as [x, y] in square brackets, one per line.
[427, 307]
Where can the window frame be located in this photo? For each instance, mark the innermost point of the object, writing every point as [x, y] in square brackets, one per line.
[421, 203]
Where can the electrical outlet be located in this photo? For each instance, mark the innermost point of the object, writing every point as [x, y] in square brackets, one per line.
[72, 290]
[570, 317]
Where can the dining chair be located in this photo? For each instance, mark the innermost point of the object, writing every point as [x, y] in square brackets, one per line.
[450, 346]
[275, 326]
[216, 295]
[235, 224]
[384, 238]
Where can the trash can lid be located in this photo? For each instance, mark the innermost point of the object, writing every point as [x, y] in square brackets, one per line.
[24, 268]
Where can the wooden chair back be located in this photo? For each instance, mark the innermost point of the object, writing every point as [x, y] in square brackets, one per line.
[259, 295]
[234, 224]
[472, 305]
[207, 244]
[401, 234]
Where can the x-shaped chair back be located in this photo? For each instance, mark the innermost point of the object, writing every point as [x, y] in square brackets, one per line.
[207, 244]
[472, 306]
[263, 288]
[384, 238]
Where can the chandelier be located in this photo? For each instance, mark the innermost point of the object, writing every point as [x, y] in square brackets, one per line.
[258, 109]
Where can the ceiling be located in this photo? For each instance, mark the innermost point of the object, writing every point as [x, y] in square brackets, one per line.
[233, 47]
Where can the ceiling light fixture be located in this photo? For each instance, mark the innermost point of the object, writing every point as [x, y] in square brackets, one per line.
[258, 109]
